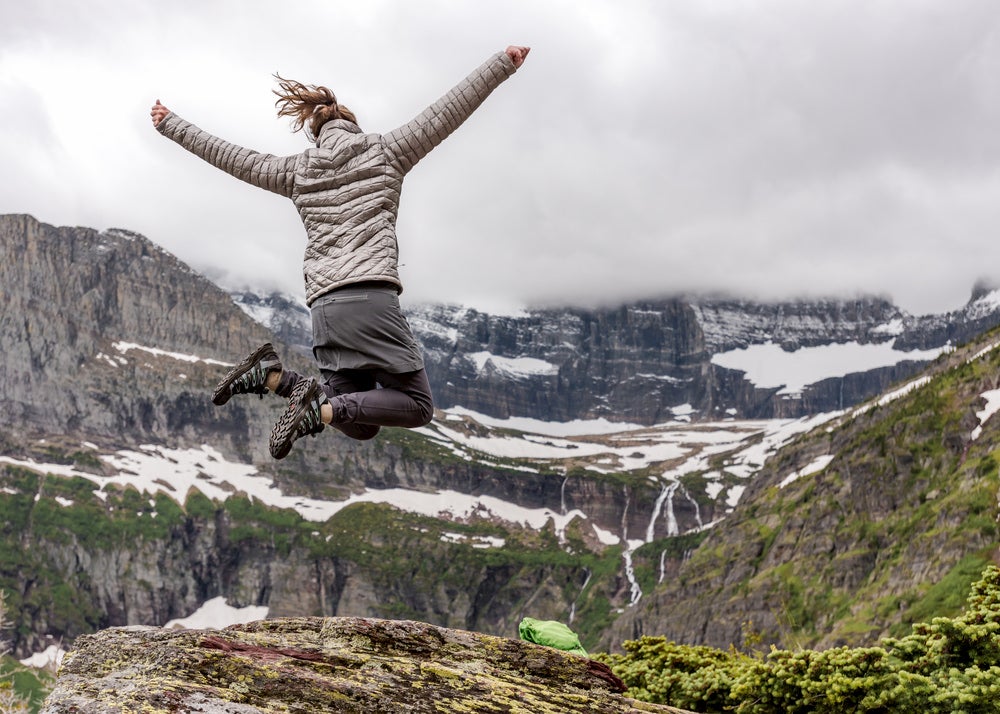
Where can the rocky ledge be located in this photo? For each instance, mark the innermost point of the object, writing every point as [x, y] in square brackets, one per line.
[329, 665]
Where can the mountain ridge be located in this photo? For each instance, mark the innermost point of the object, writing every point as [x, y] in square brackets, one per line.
[642, 361]
[130, 342]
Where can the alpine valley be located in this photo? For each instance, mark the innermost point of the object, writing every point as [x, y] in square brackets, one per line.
[818, 472]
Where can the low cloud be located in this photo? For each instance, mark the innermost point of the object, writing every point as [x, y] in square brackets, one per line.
[772, 149]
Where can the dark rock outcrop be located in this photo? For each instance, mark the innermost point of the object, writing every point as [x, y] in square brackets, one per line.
[329, 665]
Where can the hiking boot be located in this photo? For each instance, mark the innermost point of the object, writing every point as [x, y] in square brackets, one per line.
[249, 376]
[301, 418]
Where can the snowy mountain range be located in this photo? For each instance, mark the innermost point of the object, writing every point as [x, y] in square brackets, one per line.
[648, 362]
[580, 460]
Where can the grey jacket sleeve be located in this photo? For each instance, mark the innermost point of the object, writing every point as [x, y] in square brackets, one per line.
[412, 141]
[274, 173]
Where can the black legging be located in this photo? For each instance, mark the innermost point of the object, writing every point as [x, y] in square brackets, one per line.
[364, 400]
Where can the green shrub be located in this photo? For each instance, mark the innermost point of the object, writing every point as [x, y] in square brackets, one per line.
[946, 665]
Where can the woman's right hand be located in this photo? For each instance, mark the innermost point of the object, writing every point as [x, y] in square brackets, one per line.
[517, 54]
[158, 112]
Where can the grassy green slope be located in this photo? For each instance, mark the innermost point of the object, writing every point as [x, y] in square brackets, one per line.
[892, 531]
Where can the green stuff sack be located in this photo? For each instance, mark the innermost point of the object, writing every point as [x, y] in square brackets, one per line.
[551, 634]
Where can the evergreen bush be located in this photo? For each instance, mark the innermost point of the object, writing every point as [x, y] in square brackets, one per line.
[947, 665]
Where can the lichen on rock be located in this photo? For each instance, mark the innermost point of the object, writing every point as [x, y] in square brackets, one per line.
[300, 665]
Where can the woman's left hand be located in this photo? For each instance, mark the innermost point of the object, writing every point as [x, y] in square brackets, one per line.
[517, 54]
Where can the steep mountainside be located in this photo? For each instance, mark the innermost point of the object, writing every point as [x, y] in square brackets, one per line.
[105, 377]
[79, 307]
[878, 519]
[107, 368]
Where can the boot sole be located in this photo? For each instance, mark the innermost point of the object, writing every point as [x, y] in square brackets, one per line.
[282, 435]
[221, 394]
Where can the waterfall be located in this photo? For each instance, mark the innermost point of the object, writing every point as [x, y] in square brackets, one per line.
[666, 495]
[697, 509]
[572, 607]
[636, 591]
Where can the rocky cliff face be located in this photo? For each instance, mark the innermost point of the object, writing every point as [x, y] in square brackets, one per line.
[84, 311]
[644, 362]
[330, 665]
[119, 353]
[641, 362]
[76, 561]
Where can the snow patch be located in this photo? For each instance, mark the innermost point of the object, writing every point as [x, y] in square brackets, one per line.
[769, 366]
[992, 398]
[892, 396]
[51, 657]
[577, 427]
[259, 313]
[126, 347]
[605, 537]
[776, 434]
[683, 412]
[713, 489]
[986, 305]
[114, 362]
[216, 614]
[516, 367]
[893, 328]
[476, 541]
[983, 352]
[817, 465]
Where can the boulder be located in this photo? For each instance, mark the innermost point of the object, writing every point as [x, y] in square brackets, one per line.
[329, 665]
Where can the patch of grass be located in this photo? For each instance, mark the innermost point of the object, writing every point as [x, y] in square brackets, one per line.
[253, 521]
[200, 507]
[30, 684]
[87, 460]
[948, 596]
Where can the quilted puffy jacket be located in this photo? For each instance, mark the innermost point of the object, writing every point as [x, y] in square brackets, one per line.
[347, 188]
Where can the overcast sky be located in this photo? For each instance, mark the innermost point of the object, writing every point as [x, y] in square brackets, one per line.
[772, 149]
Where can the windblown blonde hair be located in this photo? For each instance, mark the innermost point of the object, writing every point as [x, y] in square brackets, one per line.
[310, 107]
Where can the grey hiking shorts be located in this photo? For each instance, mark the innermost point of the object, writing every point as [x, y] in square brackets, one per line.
[362, 327]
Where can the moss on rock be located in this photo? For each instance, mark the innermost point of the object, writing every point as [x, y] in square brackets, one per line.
[329, 665]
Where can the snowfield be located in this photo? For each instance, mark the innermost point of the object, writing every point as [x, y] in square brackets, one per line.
[667, 452]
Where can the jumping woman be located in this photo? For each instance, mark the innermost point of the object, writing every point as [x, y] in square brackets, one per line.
[346, 190]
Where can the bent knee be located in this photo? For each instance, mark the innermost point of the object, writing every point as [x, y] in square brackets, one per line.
[425, 413]
[367, 434]
[359, 432]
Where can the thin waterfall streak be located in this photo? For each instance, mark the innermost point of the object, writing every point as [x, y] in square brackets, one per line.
[672, 528]
[657, 507]
[586, 582]
[697, 509]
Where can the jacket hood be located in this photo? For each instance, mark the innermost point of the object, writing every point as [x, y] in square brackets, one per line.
[333, 126]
